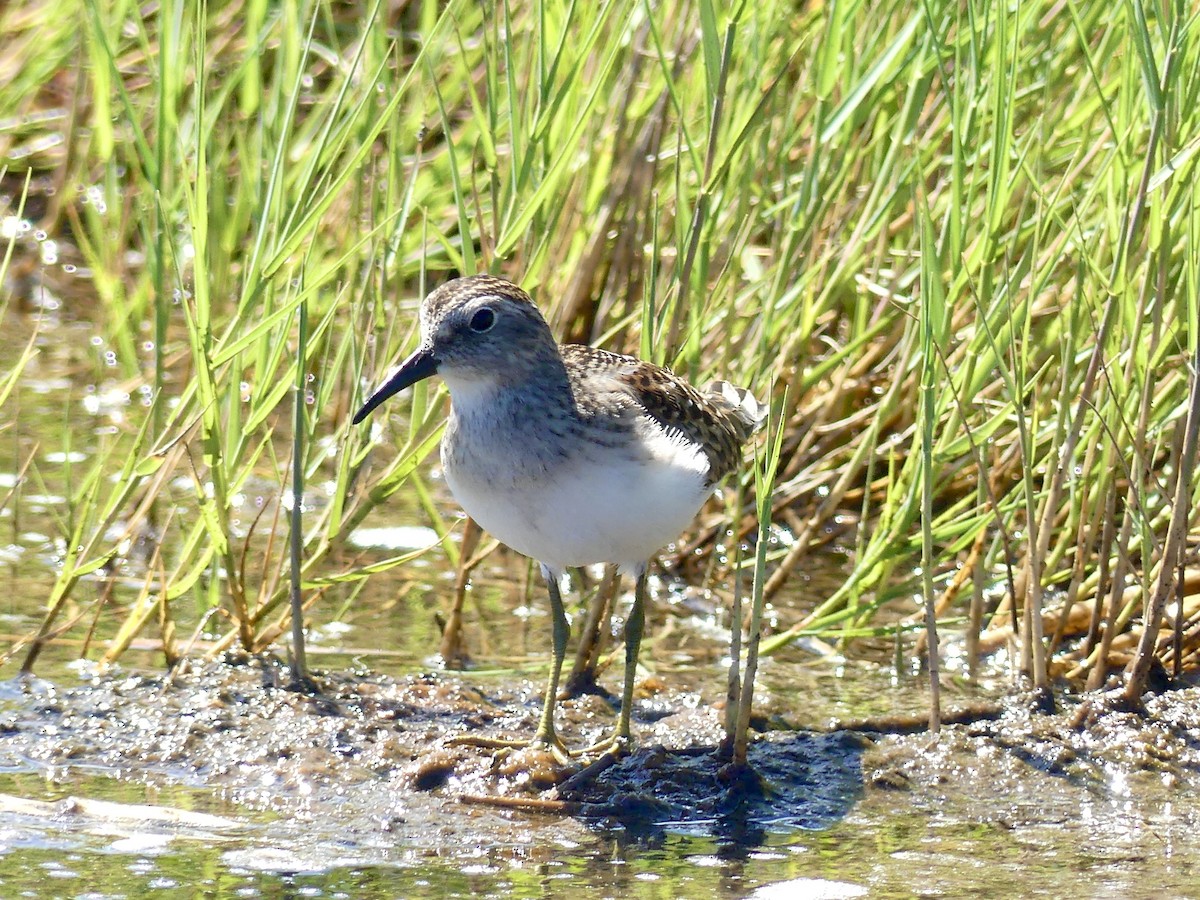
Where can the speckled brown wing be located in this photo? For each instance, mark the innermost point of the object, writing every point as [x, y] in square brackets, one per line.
[719, 419]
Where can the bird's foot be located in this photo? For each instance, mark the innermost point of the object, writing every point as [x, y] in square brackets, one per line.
[541, 764]
[539, 743]
[615, 747]
[604, 756]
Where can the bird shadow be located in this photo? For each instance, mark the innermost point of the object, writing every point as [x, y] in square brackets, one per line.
[792, 781]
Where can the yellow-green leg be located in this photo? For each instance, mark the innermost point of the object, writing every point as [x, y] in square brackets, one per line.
[634, 628]
[545, 734]
[560, 632]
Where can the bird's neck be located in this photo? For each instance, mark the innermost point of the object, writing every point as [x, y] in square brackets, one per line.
[504, 403]
[505, 432]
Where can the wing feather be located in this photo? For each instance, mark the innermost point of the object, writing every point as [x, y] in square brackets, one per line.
[720, 420]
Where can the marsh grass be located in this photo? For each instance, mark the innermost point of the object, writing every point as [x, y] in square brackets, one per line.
[960, 235]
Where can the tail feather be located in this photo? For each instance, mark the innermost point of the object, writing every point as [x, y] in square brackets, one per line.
[746, 409]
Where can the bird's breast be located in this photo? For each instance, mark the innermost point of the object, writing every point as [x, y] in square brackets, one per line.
[567, 500]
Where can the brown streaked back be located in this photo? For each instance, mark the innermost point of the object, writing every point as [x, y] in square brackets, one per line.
[720, 419]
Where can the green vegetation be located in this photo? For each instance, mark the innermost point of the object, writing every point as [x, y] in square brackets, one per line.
[959, 238]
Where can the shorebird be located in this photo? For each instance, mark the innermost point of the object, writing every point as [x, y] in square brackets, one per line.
[568, 454]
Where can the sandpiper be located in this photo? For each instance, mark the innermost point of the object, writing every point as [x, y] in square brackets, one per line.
[568, 454]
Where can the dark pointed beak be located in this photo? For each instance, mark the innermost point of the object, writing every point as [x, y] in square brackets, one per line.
[419, 366]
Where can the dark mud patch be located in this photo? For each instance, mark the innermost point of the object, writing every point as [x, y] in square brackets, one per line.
[792, 781]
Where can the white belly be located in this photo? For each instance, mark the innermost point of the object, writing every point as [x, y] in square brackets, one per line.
[588, 510]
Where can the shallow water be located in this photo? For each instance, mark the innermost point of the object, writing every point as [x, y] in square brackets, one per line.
[323, 797]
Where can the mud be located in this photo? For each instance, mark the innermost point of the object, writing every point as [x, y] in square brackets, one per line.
[378, 755]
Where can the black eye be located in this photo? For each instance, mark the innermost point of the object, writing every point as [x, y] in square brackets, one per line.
[483, 320]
